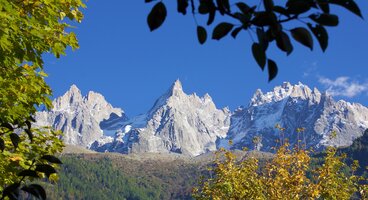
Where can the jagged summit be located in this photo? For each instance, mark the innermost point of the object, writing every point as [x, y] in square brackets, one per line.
[284, 91]
[176, 87]
[78, 116]
[192, 125]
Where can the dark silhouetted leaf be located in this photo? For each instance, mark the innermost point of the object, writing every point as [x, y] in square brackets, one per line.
[35, 190]
[259, 55]
[283, 42]
[182, 6]
[325, 19]
[321, 34]
[28, 123]
[28, 172]
[324, 6]
[281, 10]
[32, 119]
[12, 191]
[147, 1]
[264, 19]
[272, 70]
[223, 6]
[244, 8]
[298, 6]
[221, 30]
[348, 4]
[236, 31]
[29, 133]
[8, 126]
[303, 36]
[206, 6]
[211, 17]
[44, 168]
[157, 16]
[201, 34]
[2, 144]
[15, 139]
[262, 39]
[268, 4]
[51, 159]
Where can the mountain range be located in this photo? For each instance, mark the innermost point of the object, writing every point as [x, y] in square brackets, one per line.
[193, 125]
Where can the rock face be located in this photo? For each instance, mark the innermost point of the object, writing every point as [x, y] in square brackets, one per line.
[177, 122]
[79, 117]
[192, 125]
[292, 107]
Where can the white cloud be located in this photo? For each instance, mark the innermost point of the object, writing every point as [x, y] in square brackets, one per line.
[343, 86]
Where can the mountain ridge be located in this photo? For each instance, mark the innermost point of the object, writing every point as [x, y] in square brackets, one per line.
[193, 125]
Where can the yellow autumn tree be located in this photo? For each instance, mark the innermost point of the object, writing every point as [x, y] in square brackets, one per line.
[288, 175]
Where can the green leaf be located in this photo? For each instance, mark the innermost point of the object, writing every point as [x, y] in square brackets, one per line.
[325, 19]
[51, 159]
[272, 70]
[44, 168]
[321, 34]
[221, 30]
[283, 42]
[28, 172]
[259, 55]
[201, 34]
[35, 190]
[303, 36]
[15, 139]
[182, 6]
[349, 5]
[236, 31]
[2, 144]
[157, 16]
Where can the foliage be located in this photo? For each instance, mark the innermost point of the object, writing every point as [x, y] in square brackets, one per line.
[120, 177]
[287, 176]
[269, 22]
[28, 29]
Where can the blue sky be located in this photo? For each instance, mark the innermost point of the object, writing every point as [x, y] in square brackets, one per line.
[131, 66]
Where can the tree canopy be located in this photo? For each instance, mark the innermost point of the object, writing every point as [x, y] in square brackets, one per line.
[29, 29]
[268, 21]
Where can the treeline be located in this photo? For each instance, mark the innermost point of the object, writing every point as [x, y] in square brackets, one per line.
[103, 177]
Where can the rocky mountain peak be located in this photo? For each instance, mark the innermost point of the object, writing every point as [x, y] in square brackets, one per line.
[176, 88]
[284, 91]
